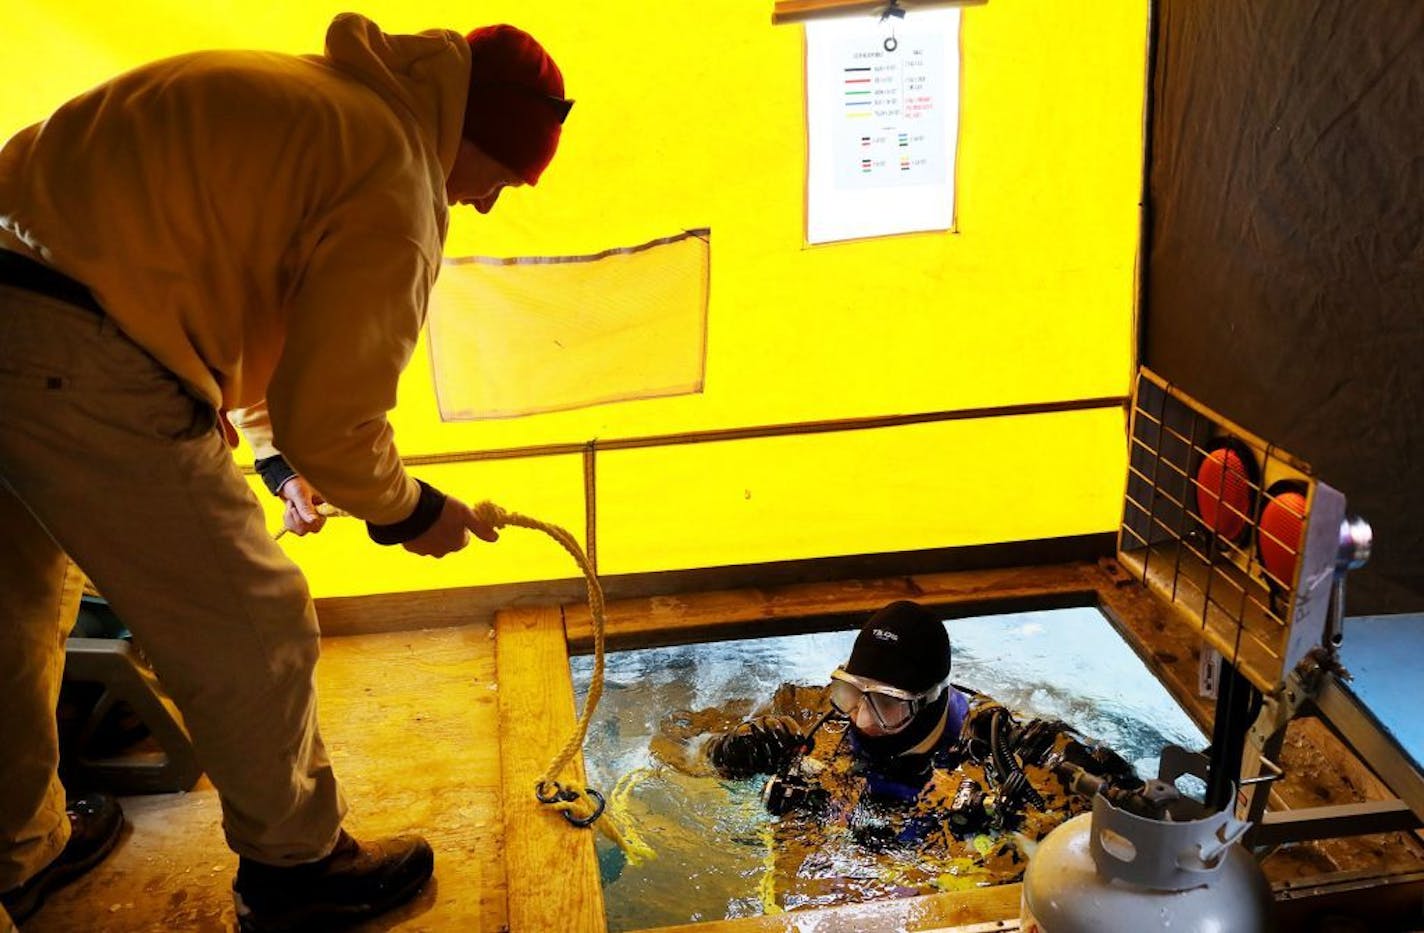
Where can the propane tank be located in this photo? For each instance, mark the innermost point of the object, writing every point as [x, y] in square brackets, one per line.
[1112, 871]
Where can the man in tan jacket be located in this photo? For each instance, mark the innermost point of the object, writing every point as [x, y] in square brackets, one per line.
[255, 234]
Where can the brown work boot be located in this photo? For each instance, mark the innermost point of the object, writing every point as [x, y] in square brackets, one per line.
[95, 822]
[355, 882]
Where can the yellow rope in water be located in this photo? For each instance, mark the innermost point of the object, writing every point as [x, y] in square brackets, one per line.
[632, 843]
[766, 886]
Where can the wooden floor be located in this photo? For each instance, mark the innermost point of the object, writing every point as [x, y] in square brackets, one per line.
[409, 718]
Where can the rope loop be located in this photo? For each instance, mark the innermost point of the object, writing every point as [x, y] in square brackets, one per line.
[557, 794]
[585, 821]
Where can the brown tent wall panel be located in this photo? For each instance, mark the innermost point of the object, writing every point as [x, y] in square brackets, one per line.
[1285, 275]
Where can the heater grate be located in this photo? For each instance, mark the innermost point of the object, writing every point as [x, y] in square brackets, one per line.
[1235, 533]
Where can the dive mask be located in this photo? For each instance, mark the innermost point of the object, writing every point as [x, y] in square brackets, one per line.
[892, 707]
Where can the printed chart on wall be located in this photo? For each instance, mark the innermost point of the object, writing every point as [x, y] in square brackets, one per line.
[882, 115]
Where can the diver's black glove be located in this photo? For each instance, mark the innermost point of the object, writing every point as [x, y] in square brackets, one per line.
[1103, 762]
[757, 746]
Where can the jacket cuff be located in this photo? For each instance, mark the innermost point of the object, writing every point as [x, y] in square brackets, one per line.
[275, 471]
[417, 523]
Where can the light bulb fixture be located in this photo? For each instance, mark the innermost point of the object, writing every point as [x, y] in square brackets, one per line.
[1225, 488]
[1278, 537]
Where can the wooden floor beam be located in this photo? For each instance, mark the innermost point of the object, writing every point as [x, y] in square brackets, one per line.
[550, 865]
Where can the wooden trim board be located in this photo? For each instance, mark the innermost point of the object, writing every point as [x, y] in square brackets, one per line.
[991, 908]
[427, 609]
[550, 865]
[674, 619]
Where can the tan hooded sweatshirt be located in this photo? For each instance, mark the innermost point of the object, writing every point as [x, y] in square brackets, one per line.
[268, 227]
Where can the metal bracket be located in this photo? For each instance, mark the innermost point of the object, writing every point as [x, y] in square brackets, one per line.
[1267, 733]
[1284, 703]
[1357, 726]
[1332, 822]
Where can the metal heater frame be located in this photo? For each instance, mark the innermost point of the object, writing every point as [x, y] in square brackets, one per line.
[1276, 637]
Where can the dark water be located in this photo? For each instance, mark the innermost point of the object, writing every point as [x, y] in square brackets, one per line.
[716, 851]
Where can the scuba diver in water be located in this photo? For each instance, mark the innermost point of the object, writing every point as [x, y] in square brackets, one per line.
[894, 692]
[897, 753]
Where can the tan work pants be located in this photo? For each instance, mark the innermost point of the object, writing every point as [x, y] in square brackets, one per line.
[105, 458]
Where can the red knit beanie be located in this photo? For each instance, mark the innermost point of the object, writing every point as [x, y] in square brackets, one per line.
[516, 106]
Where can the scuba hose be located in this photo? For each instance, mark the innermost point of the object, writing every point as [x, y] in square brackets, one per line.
[1013, 784]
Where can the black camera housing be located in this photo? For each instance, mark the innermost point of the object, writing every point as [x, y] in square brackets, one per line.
[784, 793]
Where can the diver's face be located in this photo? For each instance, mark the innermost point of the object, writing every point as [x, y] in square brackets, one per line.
[865, 722]
[477, 179]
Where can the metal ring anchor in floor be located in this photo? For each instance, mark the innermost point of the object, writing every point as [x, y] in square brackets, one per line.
[598, 806]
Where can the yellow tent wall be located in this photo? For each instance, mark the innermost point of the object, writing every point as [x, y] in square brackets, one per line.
[692, 115]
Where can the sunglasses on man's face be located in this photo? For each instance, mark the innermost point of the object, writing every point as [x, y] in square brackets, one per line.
[892, 708]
